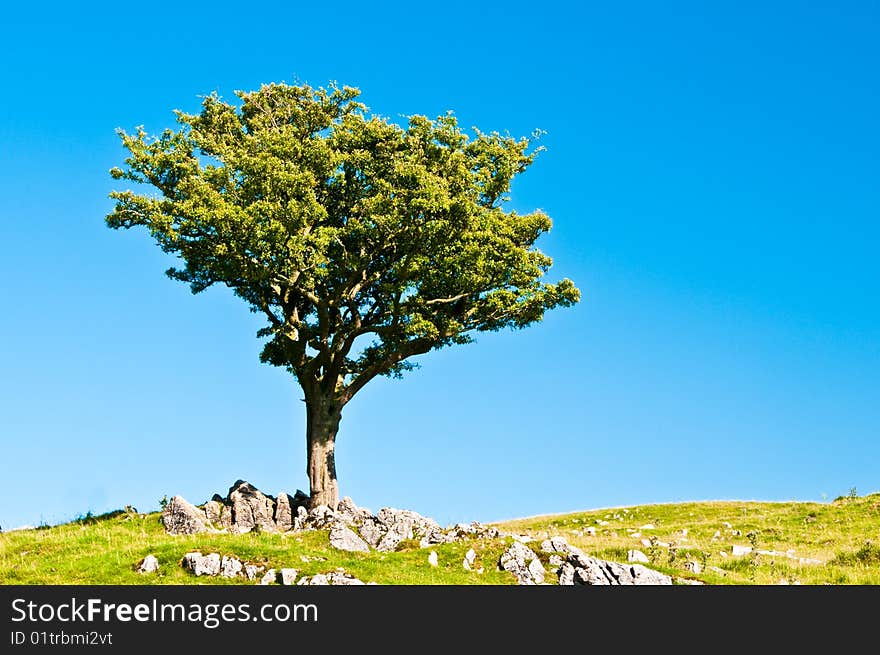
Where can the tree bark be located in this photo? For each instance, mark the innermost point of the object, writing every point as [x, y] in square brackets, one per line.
[322, 418]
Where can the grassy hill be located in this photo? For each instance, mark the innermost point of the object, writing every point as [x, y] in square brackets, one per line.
[793, 542]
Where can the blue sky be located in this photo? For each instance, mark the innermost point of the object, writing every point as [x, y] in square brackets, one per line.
[712, 173]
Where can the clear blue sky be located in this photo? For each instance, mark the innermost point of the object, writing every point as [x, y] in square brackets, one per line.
[712, 172]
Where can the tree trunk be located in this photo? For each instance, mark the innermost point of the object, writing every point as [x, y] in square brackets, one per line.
[322, 419]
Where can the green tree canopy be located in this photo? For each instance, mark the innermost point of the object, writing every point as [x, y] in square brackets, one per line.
[363, 243]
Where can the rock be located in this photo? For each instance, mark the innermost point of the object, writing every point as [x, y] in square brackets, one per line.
[693, 566]
[251, 571]
[181, 517]
[647, 526]
[320, 517]
[470, 558]
[283, 512]
[230, 567]
[351, 513]
[523, 563]
[637, 556]
[148, 564]
[432, 558]
[558, 545]
[202, 564]
[317, 579]
[269, 578]
[288, 576]
[251, 508]
[213, 511]
[556, 561]
[371, 531]
[566, 574]
[740, 551]
[591, 571]
[398, 525]
[299, 521]
[344, 538]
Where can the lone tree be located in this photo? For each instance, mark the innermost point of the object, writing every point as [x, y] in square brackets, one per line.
[363, 243]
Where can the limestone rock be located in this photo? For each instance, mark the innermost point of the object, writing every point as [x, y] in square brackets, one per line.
[148, 564]
[270, 577]
[580, 569]
[181, 517]
[522, 561]
[636, 556]
[432, 558]
[288, 576]
[283, 512]
[470, 558]
[202, 564]
[251, 571]
[371, 531]
[344, 538]
[230, 567]
[740, 551]
[251, 508]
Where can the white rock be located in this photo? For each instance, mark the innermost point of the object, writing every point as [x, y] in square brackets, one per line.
[469, 558]
[269, 578]
[288, 576]
[646, 543]
[637, 556]
[636, 535]
[432, 558]
[230, 567]
[251, 571]
[693, 566]
[740, 551]
[148, 565]
[647, 526]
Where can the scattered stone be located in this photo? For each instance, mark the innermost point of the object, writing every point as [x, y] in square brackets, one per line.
[230, 567]
[559, 545]
[522, 561]
[181, 517]
[269, 578]
[202, 564]
[432, 558]
[522, 538]
[251, 571]
[556, 561]
[470, 558]
[741, 551]
[334, 578]
[637, 556]
[636, 535]
[583, 570]
[693, 566]
[689, 581]
[727, 525]
[646, 543]
[344, 538]
[716, 536]
[647, 526]
[288, 576]
[148, 564]
[591, 531]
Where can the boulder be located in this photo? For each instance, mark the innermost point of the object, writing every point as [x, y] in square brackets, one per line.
[288, 576]
[202, 564]
[251, 571]
[432, 558]
[181, 517]
[559, 546]
[270, 577]
[251, 508]
[580, 569]
[372, 531]
[344, 538]
[740, 551]
[332, 578]
[523, 563]
[636, 556]
[284, 512]
[148, 564]
[230, 567]
[469, 558]
[350, 513]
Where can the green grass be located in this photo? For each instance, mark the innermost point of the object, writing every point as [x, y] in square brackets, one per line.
[843, 535]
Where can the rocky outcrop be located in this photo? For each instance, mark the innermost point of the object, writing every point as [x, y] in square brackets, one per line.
[202, 564]
[344, 538]
[356, 529]
[181, 517]
[522, 561]
[333, 578]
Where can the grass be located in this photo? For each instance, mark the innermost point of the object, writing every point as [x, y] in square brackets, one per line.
[690, 541]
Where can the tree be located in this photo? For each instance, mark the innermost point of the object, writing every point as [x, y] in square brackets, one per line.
[363, 243]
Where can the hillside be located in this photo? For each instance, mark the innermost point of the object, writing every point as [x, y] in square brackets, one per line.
[792, 542]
